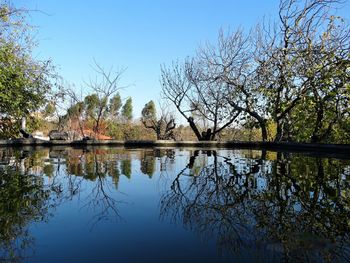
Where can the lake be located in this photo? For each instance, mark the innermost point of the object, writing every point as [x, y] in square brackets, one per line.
[172, 205]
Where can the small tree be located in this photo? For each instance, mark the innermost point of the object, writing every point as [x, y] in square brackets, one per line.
[149, 112]
[163, 127]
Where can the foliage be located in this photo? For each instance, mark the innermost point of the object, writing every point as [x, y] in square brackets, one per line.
[24, 80]
[149, 111]
[129, 131]
[115, 104]
[127, 109]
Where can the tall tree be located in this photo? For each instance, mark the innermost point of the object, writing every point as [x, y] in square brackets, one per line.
[326, 100]
[115, 105]
[127, 109]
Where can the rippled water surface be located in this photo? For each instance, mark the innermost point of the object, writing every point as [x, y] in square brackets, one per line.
[172, 205]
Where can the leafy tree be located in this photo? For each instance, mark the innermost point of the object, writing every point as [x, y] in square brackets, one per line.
[24, 80]
[323, 109]
[91, 103]
[149, 112]
[115, 105]
[127, 109]
[50, 109]
[75, 114]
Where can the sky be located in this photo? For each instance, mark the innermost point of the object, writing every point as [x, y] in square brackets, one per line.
[137, 35]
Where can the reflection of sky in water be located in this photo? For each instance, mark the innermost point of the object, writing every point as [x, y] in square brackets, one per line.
[261, 183]
[174, 205]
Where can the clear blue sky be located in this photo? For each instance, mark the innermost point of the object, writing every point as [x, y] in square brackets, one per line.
[139, 35]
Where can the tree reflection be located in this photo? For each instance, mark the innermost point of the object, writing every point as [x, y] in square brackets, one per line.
[308, 208]
[148, 163]
[33, 182]
[295, 207]
[24, 199]
[149, 159]
[102, 168]
[126, 167]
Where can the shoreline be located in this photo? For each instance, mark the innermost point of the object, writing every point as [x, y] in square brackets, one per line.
[333, 148]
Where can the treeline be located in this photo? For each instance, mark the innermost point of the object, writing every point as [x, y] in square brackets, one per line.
[97, 115]
[285, 80]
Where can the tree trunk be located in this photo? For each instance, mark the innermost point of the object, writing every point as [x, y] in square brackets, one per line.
[194, 128]
[279, 132]
[263, 128]
[315, 138]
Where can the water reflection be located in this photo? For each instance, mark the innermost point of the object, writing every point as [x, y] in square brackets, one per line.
[296, 207]
[287, 207]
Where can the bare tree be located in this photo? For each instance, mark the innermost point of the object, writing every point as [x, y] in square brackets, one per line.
[196, 97]
[104, 88]
[230, 63]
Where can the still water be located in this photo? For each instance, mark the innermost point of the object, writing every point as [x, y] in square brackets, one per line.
[172, 205]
